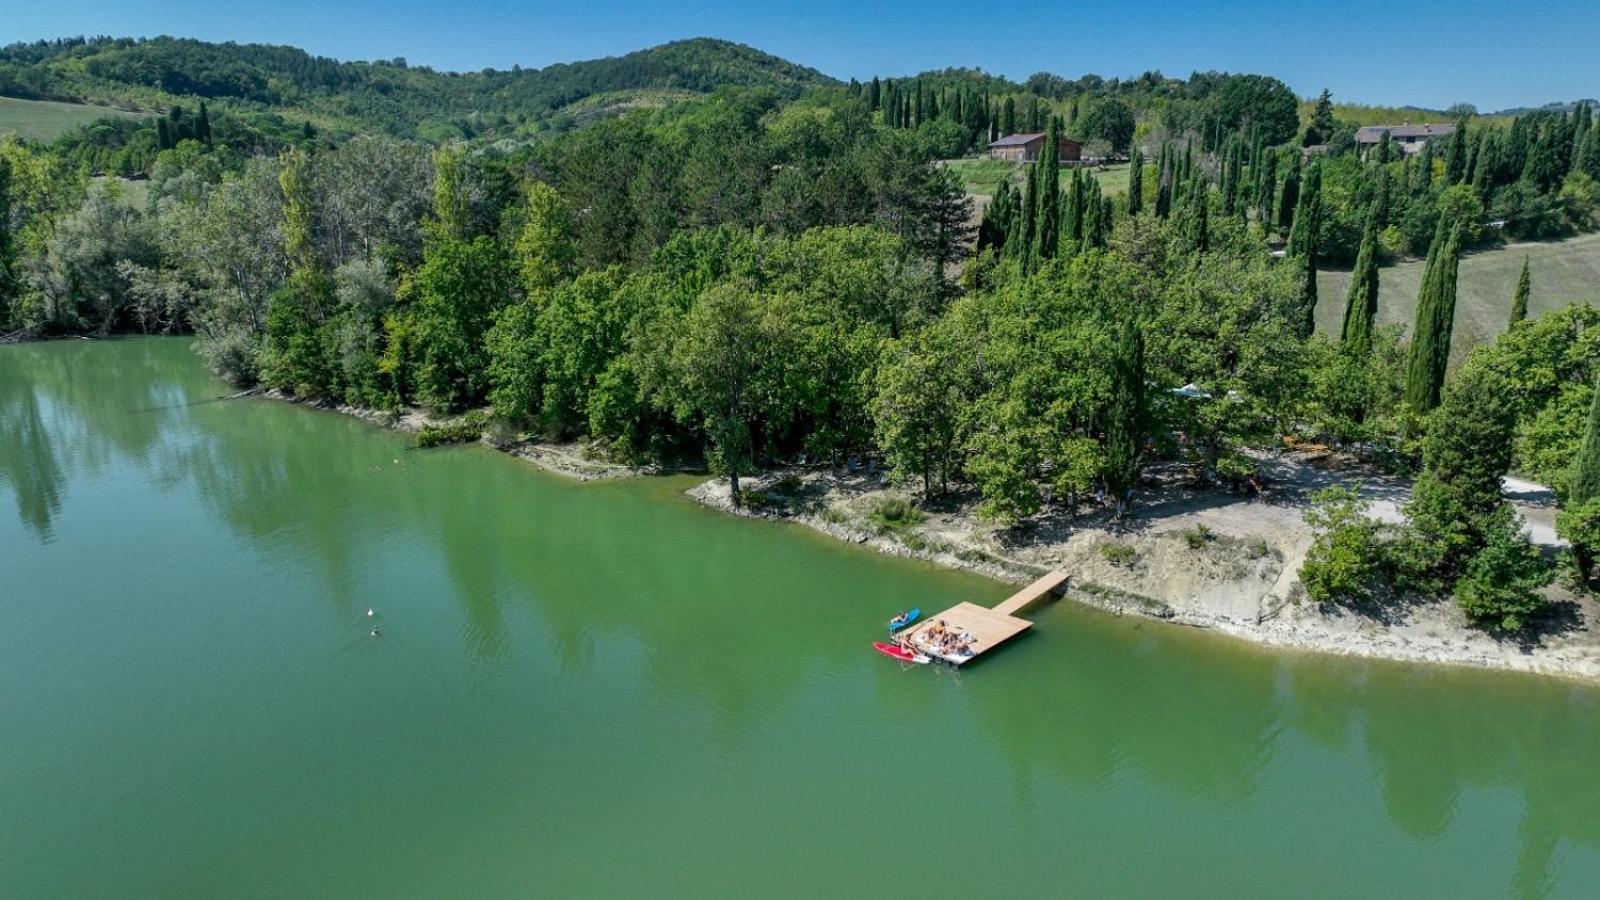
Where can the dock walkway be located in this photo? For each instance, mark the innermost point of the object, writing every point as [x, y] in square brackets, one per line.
[989, 628]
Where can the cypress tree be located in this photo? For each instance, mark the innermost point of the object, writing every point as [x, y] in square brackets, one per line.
[1485, 163]
[1230, 177]
[1436, 311]
[1361, 303]
[1586, 158]
[1455, 159]
[1008, 116]
[1519, 302]
[1289, 200]
[1267, 188]
[1027, 222]
[1164, 182]
[163, 134]
[875, 94]
[1425, 167]
[1583, 484]
[202, 125]
[1135, 181]
[1385, 149]
[1303, 238]
[1125, 414]
[1380, 200]
[1048, 169]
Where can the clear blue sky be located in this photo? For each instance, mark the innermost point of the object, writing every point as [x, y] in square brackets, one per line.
[1428, 52]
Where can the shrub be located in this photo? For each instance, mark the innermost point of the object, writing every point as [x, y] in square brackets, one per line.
[896, 513]
[1500, 589]
[1118, 554]
[440, 435]
[1199, 536]
[1347, 556]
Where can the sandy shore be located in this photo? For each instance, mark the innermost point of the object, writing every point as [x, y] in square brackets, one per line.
[1203, 558]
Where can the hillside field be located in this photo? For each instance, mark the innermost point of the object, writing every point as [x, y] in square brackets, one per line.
[46, 120]
[1563, 272]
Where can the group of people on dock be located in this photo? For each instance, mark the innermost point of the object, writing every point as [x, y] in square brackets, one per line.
[942, 640]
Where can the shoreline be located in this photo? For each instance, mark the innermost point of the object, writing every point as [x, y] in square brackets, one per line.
[1240, 581]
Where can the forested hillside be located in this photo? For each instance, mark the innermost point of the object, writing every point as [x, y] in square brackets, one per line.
[387, 96]
[782, 268]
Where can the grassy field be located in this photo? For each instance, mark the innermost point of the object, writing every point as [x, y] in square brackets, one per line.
[1563, 272]
[44, 120]
[983, 176]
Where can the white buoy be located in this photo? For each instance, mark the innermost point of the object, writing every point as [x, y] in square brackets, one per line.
[370, 614]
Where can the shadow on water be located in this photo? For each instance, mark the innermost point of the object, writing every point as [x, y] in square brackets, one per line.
[757, 611]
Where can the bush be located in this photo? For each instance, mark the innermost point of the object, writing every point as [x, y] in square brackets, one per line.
[1500, 590]
[462, 432]
[896, 513]
[1347, 556]
[1199, 536]
[1119, 554]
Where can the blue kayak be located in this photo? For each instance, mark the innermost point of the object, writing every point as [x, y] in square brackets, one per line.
[911, 616]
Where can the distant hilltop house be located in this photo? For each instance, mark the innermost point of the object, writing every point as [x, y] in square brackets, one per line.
[1407, 137]
[1028, 145]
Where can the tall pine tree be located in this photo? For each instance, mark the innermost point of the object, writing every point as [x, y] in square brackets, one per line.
[1361, 304]
[1135, 182]
[1436, 312]
[1519, 301]
[1048, 171]
[1302, 248]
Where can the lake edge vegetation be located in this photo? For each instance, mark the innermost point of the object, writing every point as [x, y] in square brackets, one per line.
[781, 271]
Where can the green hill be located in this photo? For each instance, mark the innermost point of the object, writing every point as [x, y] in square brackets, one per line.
[44, 120]
[1563, 272]
[385, 95]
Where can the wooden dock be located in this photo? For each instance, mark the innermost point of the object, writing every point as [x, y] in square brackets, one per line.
[989, 628]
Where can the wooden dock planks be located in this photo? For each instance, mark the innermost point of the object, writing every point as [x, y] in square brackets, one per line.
[989, 627]
[1032, 594]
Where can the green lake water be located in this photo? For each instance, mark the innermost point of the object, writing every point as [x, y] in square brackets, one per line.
[606, 690]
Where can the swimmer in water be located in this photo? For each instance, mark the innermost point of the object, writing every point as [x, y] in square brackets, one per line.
[374, 632]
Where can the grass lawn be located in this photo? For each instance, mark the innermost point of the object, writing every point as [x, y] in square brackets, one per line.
[983, 175]
[44, 120]
[1563, 272]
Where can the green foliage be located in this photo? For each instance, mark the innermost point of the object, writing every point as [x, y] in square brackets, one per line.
[1361, 303]
[452, 298]
[464, 432]
[1467, 451]
[896, 514]
[1118, 554]
[1500, 588]
[1245, 102]
[1199, 536]
[1519, 300]
[1347, 559]
[1436, 310]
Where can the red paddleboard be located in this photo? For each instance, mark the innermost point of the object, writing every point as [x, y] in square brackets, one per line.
[898, 652]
